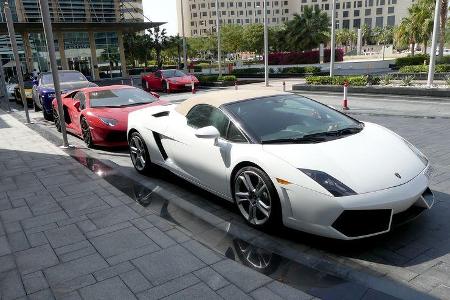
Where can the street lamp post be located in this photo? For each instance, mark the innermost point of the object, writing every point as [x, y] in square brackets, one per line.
[46, 20]
[333, 37]
[12, 36]
[185, 68]
[437, 11]
[266, 45]
[219, 51]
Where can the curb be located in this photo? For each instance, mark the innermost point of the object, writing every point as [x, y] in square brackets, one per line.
[377, 90]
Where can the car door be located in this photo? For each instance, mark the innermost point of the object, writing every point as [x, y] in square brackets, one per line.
[204, 159]
[75, 112]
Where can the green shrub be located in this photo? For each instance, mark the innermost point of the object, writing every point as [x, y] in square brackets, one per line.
[408, 80]
[207, 78]
[424, 69]
[447, 80]
[386, 79]
[227, 78]
[444, 60]
[301, 70]
[248, 71]
[409, 60]
[360, 80]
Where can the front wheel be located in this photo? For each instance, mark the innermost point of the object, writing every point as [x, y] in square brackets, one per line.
[139, 153]
[47, 116]
[86, 131]
[56, 120]
[256, 198]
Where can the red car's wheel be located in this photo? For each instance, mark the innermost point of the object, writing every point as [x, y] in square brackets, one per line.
[86, 131]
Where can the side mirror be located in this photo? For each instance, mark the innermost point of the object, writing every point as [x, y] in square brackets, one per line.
[155, 94]
[208, 132]
[76, 104]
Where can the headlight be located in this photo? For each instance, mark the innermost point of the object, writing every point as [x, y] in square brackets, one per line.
[419, 154]
[328, 182]
[109, 122]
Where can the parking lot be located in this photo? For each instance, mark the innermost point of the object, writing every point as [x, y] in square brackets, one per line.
[411, 262]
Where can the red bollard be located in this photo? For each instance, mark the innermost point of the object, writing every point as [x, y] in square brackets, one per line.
[193, 87]
[345, 101]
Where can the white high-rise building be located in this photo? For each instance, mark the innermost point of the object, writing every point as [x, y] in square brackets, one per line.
[200, 15]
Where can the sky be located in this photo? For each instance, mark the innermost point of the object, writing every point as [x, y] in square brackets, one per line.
[162, 11]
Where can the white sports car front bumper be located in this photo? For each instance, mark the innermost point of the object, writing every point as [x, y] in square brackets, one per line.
[357, 216]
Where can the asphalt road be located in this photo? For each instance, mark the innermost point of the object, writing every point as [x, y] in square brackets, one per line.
[412, 258]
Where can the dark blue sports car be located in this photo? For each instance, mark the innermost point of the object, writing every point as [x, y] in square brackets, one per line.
[44, 91]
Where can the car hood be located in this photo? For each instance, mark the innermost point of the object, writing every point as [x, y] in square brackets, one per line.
[120, 113]
[365, 162]
[68, 86]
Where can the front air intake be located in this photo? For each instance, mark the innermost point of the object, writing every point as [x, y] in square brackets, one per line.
[357, 223]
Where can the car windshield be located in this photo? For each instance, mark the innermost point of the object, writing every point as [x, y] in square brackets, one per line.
[172, 73]
[28, 84]
[291, 119]
[120, 97]
[63, 77]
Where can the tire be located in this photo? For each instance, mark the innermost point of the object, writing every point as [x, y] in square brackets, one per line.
[56, 120]
[254, 192]
[86, 132]
[47, 116]
[36, 107]
[139, 153]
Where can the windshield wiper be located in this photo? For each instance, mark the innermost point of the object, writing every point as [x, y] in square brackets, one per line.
[298, 140]
[339, 132]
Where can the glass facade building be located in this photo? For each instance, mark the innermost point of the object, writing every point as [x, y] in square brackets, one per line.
[88, 35]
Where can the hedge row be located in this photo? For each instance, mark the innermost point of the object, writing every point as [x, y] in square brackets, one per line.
[424, 69]
[215, 78]
[409, 60]
[301, 70]
[360, 80]
[304, 57]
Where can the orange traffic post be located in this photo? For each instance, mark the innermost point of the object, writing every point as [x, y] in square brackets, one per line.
[345, 101]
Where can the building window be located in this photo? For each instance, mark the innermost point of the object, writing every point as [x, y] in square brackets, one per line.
[379, 22]
[356, 13]
[356, 23]
[286, 11]
[194, 15]
[368, 12]
[203, 5]
[391, 10]
[193, 6]
[327, 6]
[222, 4]
[345, 24]
[338, 5]
[345, 14]
[348, 5]
[379, 10]
[204, 14]
[391, 20]
[368, 22]
[394, 1]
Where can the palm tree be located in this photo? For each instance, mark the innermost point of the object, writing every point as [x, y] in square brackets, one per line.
[307, 31]
[406, 33]
[159, 43]
[444, 13]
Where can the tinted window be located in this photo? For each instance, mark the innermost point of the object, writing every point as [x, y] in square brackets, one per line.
[205, 115]
[120, 97]
[172, 73]
[234, 135]
[291, 117]
[80, 97]
[63, 77]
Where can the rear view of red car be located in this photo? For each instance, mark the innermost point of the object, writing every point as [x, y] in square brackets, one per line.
[168, 81]
[99, 115]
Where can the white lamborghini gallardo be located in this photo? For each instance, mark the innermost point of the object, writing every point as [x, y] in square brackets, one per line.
[284, 158]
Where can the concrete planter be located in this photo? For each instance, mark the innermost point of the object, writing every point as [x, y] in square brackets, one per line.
[412, 91]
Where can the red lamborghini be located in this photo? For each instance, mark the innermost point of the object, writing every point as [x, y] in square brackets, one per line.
[168, 81]
[100, 114]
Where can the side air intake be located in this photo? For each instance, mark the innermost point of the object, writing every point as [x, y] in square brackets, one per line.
[163, 152]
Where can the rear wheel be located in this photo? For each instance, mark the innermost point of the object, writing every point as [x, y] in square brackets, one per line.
[56, 120]
[256, 198]
[86, 131]
[165, 87]
[139, 153]
[36, 107]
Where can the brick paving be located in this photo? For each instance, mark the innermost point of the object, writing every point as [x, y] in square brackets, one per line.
[65, 233]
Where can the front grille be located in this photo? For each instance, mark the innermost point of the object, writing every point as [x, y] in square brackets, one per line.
[117, 136]
[354, 223]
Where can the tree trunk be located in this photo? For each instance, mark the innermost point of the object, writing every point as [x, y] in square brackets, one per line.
[425, 46]
[413, 46]
[444, 12]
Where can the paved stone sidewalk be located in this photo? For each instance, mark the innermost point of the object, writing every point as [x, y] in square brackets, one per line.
[65, 233]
